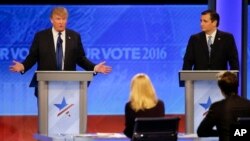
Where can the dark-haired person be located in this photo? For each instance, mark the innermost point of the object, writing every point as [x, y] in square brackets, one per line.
[211, 49]
[224, 113]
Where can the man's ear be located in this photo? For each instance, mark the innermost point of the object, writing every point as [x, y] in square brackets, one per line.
[215, 23]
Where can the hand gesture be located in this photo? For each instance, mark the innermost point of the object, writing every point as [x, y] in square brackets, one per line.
[16, 67]
[102, 68]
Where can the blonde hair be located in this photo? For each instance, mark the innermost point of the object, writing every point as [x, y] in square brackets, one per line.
[61, 11]
[142, 93]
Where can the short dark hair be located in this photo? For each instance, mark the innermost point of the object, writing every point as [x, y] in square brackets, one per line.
[228, 83]
[214, 16]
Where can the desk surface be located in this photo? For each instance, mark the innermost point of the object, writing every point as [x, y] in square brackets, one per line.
[110, 137]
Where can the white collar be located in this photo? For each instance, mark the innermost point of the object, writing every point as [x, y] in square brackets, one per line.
[213, 34]
[55, 33]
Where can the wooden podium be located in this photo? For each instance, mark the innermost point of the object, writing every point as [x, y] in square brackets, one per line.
[189, 79]
[62, 101]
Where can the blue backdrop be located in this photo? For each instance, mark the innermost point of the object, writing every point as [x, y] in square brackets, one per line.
[131, 38]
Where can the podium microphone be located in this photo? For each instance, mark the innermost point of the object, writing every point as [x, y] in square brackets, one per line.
[212, 46]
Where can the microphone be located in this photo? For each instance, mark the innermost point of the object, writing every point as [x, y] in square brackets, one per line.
[212, 46]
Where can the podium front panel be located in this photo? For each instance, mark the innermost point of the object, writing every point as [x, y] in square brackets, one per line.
[62, 101]
[201, 90]
[205, 93]
[63, 116]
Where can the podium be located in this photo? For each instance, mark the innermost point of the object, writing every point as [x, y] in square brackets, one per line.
[62, 101]
[199, 84]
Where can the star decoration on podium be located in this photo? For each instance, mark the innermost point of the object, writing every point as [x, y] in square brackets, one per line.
[62, 104]
[63, 107]
[206, 105]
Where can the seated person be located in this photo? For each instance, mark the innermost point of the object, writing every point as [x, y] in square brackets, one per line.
[143, 102]
[224, 113]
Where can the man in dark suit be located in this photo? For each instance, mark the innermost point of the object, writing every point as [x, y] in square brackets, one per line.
[224, 113]
[211, 49]
[44, 48]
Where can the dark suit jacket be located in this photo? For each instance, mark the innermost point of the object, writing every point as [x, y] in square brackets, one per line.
[43, 53]
[223, 52]
[222, 114]
[131, 115]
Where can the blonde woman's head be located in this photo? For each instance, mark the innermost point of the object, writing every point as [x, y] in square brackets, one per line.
[142, 92]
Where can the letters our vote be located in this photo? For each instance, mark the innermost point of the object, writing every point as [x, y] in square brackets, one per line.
[19, 53]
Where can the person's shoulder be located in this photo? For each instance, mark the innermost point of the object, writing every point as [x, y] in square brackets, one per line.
[197, 35]
[127, 104]
[43, 33]
[224, 33]
[160, 102]
[218, 103]
[243, 99]
[128, 107]
[45, 30]
[71, 31]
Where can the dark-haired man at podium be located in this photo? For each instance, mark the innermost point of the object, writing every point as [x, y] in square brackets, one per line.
[211, 49]
[57, 48]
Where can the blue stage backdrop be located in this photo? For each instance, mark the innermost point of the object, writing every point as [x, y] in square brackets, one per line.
[131, 38]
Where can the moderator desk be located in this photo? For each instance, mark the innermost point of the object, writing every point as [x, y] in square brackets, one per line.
[111, 137]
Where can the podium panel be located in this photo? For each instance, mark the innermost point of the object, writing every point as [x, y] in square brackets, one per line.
[62, 101]
[205, 93]
[63, 116]
[201, 90]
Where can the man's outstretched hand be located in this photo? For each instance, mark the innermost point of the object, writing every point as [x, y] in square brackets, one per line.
[102, 68]
[16, 67]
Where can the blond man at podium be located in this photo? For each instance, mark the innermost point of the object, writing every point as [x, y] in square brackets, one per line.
[57, 48]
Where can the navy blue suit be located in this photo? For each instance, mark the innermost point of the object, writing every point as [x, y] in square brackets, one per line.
[223, 53]
[43, 53]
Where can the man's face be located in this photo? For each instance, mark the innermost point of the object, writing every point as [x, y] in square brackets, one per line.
[59, 22]
[207, 25]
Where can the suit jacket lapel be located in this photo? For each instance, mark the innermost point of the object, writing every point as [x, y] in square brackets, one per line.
[204, 44]
[51, 45]
[67, 47]
[217, 40]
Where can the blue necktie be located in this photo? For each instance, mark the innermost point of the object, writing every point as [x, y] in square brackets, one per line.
[209, 43]
[59, 52]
